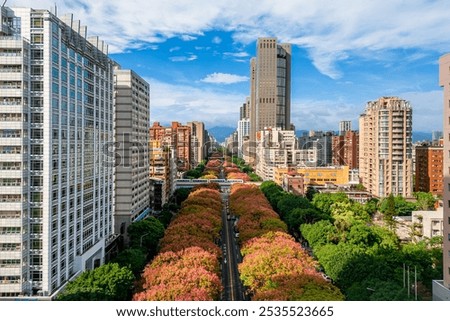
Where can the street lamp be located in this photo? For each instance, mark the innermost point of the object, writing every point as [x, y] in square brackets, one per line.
[142, 236]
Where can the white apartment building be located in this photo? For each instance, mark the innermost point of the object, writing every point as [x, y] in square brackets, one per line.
[56, 120]
[243, 136]
[132, 122]
[275, 148]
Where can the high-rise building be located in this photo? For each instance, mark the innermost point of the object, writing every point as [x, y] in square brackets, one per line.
[132, 112]
[429, 161]
[56, 175]
[441, 289]
[385, 147]
[319, 146]
[176, 137]
[270, 87]
[345, 149]
[199, 142]
[344, 126]
[162, 173]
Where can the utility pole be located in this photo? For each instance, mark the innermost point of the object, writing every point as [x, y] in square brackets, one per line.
[409, 288]
[415, 282]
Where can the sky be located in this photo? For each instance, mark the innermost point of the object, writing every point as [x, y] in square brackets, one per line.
[195, 54]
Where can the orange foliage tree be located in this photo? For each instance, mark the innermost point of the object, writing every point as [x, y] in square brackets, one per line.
[187, 275]
[275, 267]
[187, 267]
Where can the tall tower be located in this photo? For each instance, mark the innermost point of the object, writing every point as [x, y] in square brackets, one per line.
[385, 147]
[132, 117]
[444, 81]
[270, 86]
[56, 172]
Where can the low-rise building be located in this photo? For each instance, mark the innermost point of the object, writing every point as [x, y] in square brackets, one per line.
[428, 224]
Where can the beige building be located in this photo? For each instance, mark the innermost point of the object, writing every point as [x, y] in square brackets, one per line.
[315, 175]
[441, 289]
[132, 112]
[199, 139]
[428, 223]
[385, 147]
[270, 87]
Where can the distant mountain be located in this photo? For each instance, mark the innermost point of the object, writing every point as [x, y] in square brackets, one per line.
[420, 136]
[416, 136]
[221, 132]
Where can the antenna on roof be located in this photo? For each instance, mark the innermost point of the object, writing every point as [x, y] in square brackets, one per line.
[56, 10]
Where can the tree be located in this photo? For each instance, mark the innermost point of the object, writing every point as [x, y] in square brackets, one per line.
[319, 234]
[310, 192]
[323, 201]
[109, 282]
[299, 216]
[146, 233]
[190, 274]
[181, 194]
[389, 212]
[425, 201]
[133, 258]
[288, 202]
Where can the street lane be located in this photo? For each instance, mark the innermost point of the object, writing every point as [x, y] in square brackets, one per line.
[233, 289]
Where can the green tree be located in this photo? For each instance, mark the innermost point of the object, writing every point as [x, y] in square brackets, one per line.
[346, 214]
[133, 258]
[425, 201]
[288, 202]
[323, 201]
[181, 195]
[273, 193]
[299, 216]
[319, 234]
[310, 192]
[165, 217]
[109, 282]
[401, 205]
[146, 233]
[371, 206]
[389, 212]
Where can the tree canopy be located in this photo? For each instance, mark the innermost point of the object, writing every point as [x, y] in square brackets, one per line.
[109, 282]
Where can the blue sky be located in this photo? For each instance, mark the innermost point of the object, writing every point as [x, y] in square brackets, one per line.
[195, 54]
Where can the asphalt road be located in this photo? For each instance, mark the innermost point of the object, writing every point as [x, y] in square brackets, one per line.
[233, 289]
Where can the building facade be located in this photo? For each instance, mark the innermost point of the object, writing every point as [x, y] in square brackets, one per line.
[429, 167]
[315, 176]
[441, 289]
[345, 149]
[176, 137]
[270, 87]
[385, 147]
[344, 126]
[132, 113]
[199, 142]
[57, 178]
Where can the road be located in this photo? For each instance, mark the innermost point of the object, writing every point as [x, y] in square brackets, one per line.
[233, 289]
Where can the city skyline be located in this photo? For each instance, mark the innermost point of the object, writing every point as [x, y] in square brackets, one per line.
[196, 55]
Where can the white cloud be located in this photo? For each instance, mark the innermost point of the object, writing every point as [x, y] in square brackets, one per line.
[174, 49]
[216, 40]
[240, 54]
[187, 38]
[186, 103]
[183, 58]
[222, 78]
[331, 31]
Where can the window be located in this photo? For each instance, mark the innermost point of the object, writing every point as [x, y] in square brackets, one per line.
[37, 54]
[37, 38]
[37, 22]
